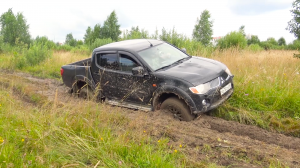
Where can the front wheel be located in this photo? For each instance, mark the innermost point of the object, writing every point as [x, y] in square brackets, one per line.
[178, 108]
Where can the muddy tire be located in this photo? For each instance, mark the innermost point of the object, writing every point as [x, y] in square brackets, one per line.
[86, 93]
[178, 108]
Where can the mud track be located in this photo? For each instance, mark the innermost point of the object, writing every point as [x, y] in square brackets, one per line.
[211, 139]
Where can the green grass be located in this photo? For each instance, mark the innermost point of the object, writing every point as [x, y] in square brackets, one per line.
[266, 84]
[37, 133]
[266, 90]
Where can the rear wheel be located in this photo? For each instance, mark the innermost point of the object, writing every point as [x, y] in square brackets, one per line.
[86, 93]
[178, 108]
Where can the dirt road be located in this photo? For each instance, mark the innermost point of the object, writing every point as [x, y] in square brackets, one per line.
[206, 139]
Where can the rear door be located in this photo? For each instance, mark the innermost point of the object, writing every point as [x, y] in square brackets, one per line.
[104, 73]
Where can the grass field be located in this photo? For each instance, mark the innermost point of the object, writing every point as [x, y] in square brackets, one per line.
[36, 132]
[266, 85]
[266, 89]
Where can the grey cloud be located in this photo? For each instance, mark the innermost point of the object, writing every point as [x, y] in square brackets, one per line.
[257, 7]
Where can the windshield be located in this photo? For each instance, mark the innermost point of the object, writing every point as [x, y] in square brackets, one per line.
[162, 55]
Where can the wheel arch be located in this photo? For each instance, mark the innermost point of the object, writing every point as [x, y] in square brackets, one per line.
[80, 81]
[166, 92]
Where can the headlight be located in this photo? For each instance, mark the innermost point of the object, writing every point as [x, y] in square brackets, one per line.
[228, 72]
[201, 89]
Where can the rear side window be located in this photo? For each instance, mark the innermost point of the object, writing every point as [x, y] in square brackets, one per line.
[108, 60]
[127, 63]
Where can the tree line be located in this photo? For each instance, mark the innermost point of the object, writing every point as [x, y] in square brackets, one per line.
[15, 31]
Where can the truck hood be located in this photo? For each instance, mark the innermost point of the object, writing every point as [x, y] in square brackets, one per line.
[196, 70]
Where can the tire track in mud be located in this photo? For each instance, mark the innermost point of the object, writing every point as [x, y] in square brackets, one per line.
[221, 135]
[252, 132]
[210, 122]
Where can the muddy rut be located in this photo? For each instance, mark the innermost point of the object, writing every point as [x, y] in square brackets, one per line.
[226, 143]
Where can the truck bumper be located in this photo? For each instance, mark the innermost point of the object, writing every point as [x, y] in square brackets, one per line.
[212, 100]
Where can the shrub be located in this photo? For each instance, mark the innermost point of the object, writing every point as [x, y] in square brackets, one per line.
[294, 46]
[37, 53]
[1, 43]
[64, 47]
[233, 39]
[45, 41]
[255, 47]
[99, 42]
[82, 49]
[253, 40]
[135, 33]
[281, 42]
[271, 44]
[272, 41]
[18, 60]
[174, 38]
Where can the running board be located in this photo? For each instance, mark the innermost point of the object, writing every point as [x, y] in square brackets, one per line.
[132, 106]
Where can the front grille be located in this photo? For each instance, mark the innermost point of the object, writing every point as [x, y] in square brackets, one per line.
[219, 80]
[224, 76]
[215, 83]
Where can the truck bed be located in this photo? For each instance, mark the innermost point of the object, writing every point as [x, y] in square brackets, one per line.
[85, 62]
[79, 70]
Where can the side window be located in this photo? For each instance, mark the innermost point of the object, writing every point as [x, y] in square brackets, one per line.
[108, 60]
[127, 63]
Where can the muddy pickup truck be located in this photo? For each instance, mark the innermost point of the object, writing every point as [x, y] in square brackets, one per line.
[149, 75]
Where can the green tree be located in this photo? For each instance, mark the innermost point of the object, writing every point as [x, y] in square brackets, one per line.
[281, 41]
[233, 39]
[92, 34]
[14, 28]
[79, 42]
[1, 43]
[70, 40]
[97, 32]
[165, 36]
[155, 35]
[203, 29]
[111, 28]
[253, 40]
[272, 41]
[242, 30]
[45, 42]
[294, 24]
[88, 36]
[135, 33]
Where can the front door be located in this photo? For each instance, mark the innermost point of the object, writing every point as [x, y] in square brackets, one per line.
[132, 89]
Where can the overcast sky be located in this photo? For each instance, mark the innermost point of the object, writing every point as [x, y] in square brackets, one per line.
[55, 19]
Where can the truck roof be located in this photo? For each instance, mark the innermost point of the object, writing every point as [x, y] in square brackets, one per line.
[130, 45]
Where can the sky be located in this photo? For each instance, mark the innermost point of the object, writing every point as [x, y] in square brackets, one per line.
[55, 19]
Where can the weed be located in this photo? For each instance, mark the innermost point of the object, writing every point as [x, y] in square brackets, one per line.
[206, 148]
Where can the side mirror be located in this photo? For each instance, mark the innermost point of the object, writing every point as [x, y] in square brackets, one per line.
[183, 50]
[138, 71]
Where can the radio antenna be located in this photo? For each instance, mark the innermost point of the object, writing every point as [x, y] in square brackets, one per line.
[151, 45]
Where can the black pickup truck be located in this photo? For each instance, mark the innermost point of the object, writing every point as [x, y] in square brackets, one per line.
[149, 75]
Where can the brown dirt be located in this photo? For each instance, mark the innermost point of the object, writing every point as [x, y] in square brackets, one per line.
[205, 140]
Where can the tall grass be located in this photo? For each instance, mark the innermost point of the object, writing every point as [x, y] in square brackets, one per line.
[266, 89]
[266, 82]
[35, 132]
